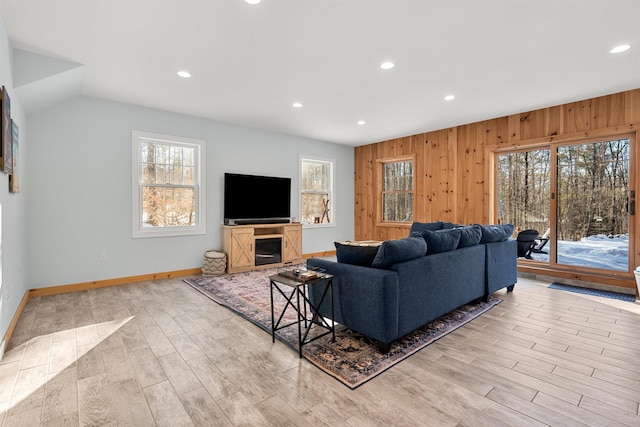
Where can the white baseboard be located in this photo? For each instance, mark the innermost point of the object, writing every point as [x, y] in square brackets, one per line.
[1, 349]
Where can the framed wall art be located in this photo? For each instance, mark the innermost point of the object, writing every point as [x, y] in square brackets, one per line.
[13, 178]
[6, 159]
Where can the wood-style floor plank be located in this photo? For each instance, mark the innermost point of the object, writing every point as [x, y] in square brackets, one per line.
[61, 395]
[160, 353]
[129, 404]
[165, 406]
[203, 409]
[95, 406]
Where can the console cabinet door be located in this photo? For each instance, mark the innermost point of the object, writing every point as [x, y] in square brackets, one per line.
[292, 245]
[242, 248]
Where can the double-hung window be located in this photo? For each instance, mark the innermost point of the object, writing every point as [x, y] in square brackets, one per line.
[397, 190]
[316, 191]
[168, 185]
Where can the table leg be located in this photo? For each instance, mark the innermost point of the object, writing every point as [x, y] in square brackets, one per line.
[299, 322]
[333, 316]
[273, 321]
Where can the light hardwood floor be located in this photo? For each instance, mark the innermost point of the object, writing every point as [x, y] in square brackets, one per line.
[160, 353]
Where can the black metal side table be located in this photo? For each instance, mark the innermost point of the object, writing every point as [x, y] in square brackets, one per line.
[293, 287]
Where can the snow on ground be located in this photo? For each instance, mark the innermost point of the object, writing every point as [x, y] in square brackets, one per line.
[599, 251]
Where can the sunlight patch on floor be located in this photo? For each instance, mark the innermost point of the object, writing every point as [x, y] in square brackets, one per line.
[38, 376]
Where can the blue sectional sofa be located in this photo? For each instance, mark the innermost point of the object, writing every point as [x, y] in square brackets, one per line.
[389, 291]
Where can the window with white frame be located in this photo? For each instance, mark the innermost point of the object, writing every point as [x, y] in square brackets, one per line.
[397, 190]
[316, 191]
[168, 185]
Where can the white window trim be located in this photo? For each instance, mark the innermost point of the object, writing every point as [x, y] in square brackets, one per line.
[332, 190]
[137, 230]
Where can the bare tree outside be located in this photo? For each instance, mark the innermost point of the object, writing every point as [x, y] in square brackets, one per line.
[397, 192]
[591, 194]
[168, 185]
[315, 184]
[524, 182]
[593, 189]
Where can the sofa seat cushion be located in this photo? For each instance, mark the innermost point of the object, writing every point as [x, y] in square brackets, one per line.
[357, 253]
[441, 240]
[496, 233]
[394, 251]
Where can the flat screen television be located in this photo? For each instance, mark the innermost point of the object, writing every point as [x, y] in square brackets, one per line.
[253, 199]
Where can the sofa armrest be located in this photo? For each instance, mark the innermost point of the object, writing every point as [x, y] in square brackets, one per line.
[501, 265]
[365, 299]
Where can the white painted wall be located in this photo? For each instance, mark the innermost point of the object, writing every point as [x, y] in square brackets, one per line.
[13, 242]
[79, 198]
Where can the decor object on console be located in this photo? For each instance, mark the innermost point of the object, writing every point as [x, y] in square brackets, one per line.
[325, 211]
[411, 289]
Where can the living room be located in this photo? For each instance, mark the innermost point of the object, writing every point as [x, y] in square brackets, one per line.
[70, 223]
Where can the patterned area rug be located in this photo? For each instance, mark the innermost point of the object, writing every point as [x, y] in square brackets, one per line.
[353, 359]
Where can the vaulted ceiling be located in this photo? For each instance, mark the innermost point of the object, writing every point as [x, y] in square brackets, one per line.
[250, 63]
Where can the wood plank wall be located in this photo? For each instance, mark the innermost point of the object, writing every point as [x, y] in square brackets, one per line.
[452, 166]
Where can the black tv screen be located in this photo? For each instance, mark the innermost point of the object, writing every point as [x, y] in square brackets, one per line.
[253, 199]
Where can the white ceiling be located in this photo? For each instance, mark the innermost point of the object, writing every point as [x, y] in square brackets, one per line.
[250, 63]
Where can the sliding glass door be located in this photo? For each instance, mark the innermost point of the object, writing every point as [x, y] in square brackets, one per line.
[592, 191]
[524, 184]
[577, 197]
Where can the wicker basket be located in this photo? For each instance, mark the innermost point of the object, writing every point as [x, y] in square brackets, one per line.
[215, 263]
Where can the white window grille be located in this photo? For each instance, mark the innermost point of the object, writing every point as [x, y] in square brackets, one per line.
[168, 185]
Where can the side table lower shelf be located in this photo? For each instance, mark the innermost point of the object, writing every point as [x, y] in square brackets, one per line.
[294, 289]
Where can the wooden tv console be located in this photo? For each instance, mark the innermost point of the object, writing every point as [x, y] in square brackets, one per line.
[239, 243]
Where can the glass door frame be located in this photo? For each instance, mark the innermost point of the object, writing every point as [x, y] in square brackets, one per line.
[553, 215]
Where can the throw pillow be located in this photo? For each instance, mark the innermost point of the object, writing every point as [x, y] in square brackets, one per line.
[394, 251]
[441, 240]
[422, 226]
[496, 233]
[469, 235]
[352, 253]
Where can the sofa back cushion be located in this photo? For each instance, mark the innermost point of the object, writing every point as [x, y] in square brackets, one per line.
[441, 240]
[394, 251]
[469, 235]
[496, 233]
[356, 253]
[423, 226]
[446, 225]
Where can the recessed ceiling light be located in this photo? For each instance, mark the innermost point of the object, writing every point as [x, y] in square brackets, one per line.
[297, 105]
[449, 97]
[252, 1]
[184, 74]
[362, 122]
[621, 48]
[387, 65]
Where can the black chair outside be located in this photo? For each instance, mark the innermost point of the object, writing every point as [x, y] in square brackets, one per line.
[541, 242]
[526, 243]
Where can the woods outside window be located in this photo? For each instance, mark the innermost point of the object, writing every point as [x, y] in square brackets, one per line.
[397, 186]
[576, 194]
[316, 191]
[168, 187]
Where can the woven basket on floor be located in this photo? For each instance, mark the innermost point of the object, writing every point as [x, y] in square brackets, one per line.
[215, 263]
